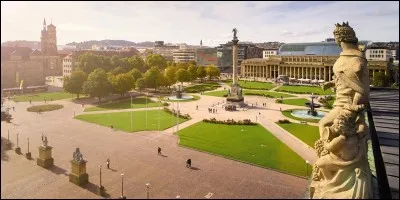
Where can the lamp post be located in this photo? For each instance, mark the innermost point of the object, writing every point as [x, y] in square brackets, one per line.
[146, 110]
[307, 168]
[122, 187]
[101, 188]
[100, 175]
[148, 190]
[159, 117]
[131, 111]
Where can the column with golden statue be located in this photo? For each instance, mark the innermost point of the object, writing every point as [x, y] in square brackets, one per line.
[342, 168]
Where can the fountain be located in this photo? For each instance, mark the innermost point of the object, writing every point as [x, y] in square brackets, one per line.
[311, 113]
[179, 96]
[312, 106]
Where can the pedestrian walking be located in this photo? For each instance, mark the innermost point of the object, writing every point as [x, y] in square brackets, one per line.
[45, 101]
[30, 101]
[13, 108]
[112, 127]
[159, 151]
[189, 163]
[108, 163]
[280, 109]
[197, 107]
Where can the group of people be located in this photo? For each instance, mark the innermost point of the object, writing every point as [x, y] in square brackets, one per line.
[212, 110]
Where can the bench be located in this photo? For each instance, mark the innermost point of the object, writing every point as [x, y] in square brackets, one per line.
[303, 122]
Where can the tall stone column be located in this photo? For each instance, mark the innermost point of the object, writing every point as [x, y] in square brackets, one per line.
[235, 58]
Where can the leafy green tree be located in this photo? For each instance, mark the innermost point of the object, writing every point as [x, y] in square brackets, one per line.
[137, 63]
[122, 83]
[192, 70]
[97, 84]
[118, 70]
[170, 75]
[140, 84]
[135, 73]
[115, 61]
[74, 83]
[201, 73]
[156, 60]
[212, 72]
[182, 76]
[152, 77]
[192, 62]
[381, 79]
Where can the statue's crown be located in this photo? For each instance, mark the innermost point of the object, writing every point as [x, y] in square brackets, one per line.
[345, 24]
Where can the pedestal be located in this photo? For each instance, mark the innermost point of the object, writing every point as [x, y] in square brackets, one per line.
[235, 97]
[28, 155]
[101, 191]
[18, 150]
[45, 160]
[8, 145]
[78, 173]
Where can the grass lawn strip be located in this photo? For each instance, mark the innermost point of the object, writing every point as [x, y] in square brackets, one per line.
[138, 102]
[253, 145]
[300, 89]
[44, 108]
[220, 93]
[122, 120]
[288, 114]
[295, 102]
[202, 87]
[306, 133]
[43, 96]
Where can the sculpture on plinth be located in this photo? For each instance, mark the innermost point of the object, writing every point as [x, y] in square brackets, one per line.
[342, 169]
[78, 173]
[45, 159]
[44, 141]
[77, 155]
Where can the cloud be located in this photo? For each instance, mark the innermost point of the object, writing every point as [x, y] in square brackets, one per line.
[188, 22]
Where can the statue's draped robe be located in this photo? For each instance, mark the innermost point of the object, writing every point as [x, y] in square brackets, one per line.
[342, 169]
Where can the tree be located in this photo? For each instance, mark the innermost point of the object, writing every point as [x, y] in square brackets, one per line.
[137, 63]
[170, 75]
[74, 83]
[122, 83]
[201, 73]
[212, 72]
[156, 60]
[140, 84]
[380, 80]
[192, 62]
[97, 84]
[192, 70]
[152, 77]
[115, 61]
[182, 76]
[135, 73]
[118, 70]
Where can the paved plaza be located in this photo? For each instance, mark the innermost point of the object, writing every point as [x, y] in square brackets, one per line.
[135, 155]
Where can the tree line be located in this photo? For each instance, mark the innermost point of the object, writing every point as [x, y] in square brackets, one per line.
[99, 76]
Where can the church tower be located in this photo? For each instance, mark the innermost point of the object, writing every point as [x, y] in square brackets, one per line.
[48, 40]
[43, 38]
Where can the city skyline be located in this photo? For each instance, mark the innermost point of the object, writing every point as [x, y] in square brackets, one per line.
[190, 22]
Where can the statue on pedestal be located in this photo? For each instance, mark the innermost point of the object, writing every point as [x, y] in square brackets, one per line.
[342, 168]
[234, 33]
[44, 140]
[77, 155]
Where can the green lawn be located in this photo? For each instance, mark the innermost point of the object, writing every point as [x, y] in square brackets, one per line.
[256, 85]
[306, 133]
[202, 87]
[195, 97]
[254, 145]
[296, 102]
[300, 89]
[138, 102]
[122, 120]
[220, 93]
[288, 114]
[44, 96]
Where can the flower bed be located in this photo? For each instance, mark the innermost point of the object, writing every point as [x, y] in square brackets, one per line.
[230, 122]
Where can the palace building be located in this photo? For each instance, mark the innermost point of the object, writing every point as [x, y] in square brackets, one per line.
[304, 62]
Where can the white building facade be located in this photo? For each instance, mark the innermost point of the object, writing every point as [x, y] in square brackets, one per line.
[269, 52]
[67, 65]
[378, 54]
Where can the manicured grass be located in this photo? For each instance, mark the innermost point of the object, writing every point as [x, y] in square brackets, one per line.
[306, 133]
[44, 108]
[220, 93]
[122, 120]
[288, 114]
[139, 102]
[253, 145]
[296, 102]
[202, 87]
[300, 89]
[256, 85]
[44, 96]
[195, 98]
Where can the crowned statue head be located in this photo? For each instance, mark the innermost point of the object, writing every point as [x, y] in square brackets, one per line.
[344, 33]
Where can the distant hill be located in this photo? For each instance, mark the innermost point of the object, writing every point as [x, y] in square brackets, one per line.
[22, 43]
[121, 43]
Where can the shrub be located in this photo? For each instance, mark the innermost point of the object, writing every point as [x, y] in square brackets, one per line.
[225, 95]
[284, 121]
[259, 94]
[173, 112]
[44, 108]
[165, 104]
[278, 101]
[229, 122]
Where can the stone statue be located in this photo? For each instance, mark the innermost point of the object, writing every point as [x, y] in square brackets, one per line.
[77, 155]
[234, 33]
[342, 169]
[44, 140]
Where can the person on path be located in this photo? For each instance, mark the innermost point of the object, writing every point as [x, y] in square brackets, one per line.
[197, 107]
[108, 163]
[189, 163]
[45, 101]
[112, 127]
[159, 151]
[30, 101]
[13, 108]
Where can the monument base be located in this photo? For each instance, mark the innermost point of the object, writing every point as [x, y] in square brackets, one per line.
[101, 191]
[28, 155]
[79, 180]
[45, 163]
[18, 150]
[8, 145]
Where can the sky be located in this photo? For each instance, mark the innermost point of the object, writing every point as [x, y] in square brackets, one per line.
[189, 22]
